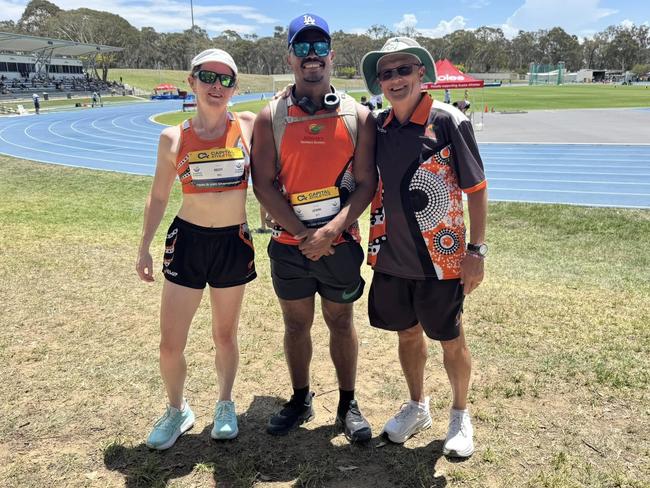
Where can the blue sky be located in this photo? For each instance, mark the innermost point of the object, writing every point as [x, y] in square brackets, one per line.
[432, 18]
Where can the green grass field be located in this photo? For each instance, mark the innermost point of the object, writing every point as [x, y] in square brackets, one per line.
[559, 334]
[512, 98]
[147, 79]
[556, 97]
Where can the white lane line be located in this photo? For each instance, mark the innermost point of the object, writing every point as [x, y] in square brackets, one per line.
[153, 128]
[119, 134]
[553, 150]
[543, 164]
[626, 144]
[573, 191]
[115, 139]
[67, 154]
[579, 173]
[70, 165]
[50, 129]
[609, 183]
[80, 148]
[538, 158]
[121, 127]
[537, 154]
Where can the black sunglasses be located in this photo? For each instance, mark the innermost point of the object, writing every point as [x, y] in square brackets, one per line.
[210, 77]
[302, 49]
[404, 70]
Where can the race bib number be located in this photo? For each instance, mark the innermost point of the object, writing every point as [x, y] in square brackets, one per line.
[219, 167]
[316, 208]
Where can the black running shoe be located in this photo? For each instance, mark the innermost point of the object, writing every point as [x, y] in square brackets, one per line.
[293, 414]
[355, 427]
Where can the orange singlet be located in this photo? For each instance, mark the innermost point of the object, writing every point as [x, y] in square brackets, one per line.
[315, 172]
[215, 165]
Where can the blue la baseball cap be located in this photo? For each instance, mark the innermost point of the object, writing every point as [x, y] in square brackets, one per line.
[304, 22]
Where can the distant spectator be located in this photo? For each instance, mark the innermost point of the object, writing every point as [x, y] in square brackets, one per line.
[37, 103]
[366, 103]
[463, 105]
[96, 99]
[447, 96]
[377, 101]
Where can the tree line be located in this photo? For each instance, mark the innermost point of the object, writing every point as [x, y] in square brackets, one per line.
[485, 49]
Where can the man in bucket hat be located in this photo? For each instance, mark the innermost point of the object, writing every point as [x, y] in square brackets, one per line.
[427, 157]
[313, 170]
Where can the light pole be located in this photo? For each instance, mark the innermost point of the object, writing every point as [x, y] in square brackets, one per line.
[192, 33]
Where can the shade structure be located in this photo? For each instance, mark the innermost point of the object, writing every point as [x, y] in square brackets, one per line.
[12, 42]
[450, 77]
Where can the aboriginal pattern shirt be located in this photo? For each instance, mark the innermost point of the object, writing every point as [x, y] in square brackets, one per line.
[417, 229]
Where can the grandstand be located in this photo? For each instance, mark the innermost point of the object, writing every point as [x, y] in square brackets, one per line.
[50, 67]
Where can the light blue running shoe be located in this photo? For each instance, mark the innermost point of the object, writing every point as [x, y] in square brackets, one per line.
[170, 427]
[225, 421]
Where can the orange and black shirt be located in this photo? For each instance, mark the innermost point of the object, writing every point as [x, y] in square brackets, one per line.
[215, 165]
[417, 229]
[315, 172]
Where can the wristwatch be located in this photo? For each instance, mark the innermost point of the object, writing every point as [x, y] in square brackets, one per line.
[479, 249]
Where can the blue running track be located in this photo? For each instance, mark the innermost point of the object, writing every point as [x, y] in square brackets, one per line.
[122, 138]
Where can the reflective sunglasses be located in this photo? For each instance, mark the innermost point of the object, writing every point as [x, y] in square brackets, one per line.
[302, 49]
[404, 70]
[210, 77]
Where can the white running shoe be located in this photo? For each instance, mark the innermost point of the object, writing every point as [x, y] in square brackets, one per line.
[170, 427]
[459, 442]
[411, 419]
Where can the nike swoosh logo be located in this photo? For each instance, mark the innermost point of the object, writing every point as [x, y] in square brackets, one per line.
[347, 296]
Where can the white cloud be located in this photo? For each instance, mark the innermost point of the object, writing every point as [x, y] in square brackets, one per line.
[240, 29]
[627, 23]
[358, 30]
[444, 27]
[571, 15]
[476, 3]
[165, 15]
[509, 31]
[409, 21]
[12, 10]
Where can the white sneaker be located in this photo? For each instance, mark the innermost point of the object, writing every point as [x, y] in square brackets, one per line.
[459, 442]
[411, 419]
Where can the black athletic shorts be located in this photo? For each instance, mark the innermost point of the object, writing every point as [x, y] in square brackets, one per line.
[219, 256]
[336, 278]
[400, 303]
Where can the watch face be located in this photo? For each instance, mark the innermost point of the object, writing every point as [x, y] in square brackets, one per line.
[480, 249]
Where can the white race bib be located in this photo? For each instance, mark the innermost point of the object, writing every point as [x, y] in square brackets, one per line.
[220, 167]
[316, 208]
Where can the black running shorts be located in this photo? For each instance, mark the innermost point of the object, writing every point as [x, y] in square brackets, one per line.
[399, 304]
[336, 278]
[219, 256]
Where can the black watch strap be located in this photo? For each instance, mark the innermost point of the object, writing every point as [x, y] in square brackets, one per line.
[480, 249]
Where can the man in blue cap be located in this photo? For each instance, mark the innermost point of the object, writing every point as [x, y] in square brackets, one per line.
[313, 170]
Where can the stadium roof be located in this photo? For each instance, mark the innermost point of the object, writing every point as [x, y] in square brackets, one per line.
[28, 44]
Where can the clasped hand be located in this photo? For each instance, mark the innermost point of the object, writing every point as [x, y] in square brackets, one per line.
[315, 243]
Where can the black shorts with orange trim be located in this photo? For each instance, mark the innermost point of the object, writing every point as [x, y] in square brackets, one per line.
[336, 278]
[219, 256]
[399, 303]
